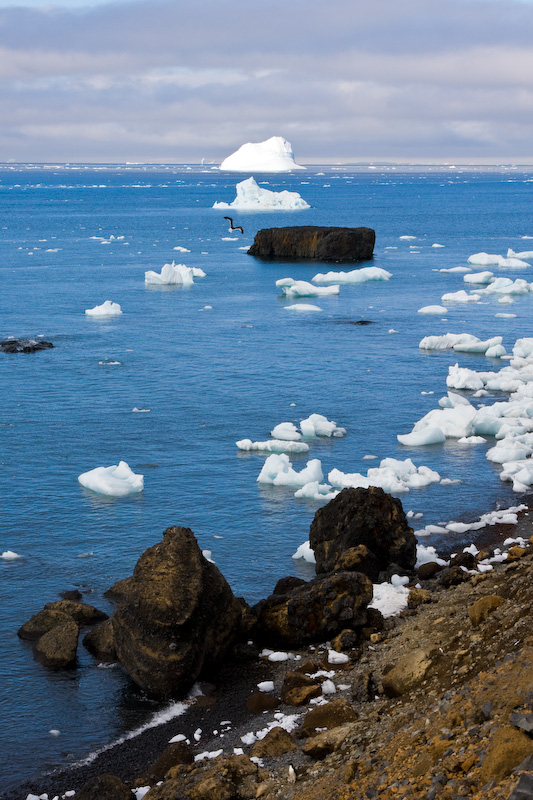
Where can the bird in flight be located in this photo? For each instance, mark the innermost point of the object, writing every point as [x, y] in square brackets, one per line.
[233, 227]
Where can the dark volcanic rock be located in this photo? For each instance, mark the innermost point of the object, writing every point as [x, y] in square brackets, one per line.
[368, 517]
[41, 623]
[105, 786]
[24, 345]
[81, 612]
[314, 612]
[57, 648]
[100, 641]
[314, 242]
[176, 617]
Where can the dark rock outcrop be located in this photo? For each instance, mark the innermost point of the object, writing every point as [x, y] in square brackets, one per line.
[57, 648]
[177, 616]
[24, 345]
[314, 242]
[107, 786]
[100, 641]
[368, 517]
[81, 612]
[41, 623]
[314, 612]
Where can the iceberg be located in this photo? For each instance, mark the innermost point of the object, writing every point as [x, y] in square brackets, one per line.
[460, 297]
[392, 475]
[492, 260]
[303, 307]
[354, 276]
[115, 481]
[318, 425]
[278, 471]
[251, 197]
[462, 343]
[433, 310]
[292, 288]
[527, 255]
[286, 431]
[273, 446]
[107, 309]
[174, 274]
[479, 277]
[273, 155]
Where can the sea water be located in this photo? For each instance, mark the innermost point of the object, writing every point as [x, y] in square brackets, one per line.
[208, 365]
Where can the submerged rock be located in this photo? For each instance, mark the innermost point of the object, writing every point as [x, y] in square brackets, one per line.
[314, 242]
[177, 616]
[24, 345]
[368, 517]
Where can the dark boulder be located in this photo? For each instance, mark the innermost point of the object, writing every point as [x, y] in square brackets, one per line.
[57, 648]
[368, 517]
[314, 242]
[100, 641]
[314, 612]
[105, 786]
[41, 623]
[81, 612]
[24, 345]
[176, 618]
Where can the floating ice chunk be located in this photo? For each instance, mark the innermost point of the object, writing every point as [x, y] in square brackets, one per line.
[278, 471]
[438, 245]
[523, 348]
[479, 277]
[446, 342]
[506, 286]
[460, 297]
[181, 249]
[471, 440]
[453, 422]
[318, 425]
[455, 269]
[292, 288]
[389, 599]
[302, 307]
[428, 435]
[392, 475]
[497, 351]
[354, 276]
[508, 450]
[501, 315]
[489, 259]
[407, 238]
[304, 551]
[286, 431]
[251, 197]
[476, 346]
[316, 491]
[273, 155]
[505, 300]
[10, 555]
[527, 255]
[107, 309]
[174, 275]
[463, 378]
[115, 481]
[433, 310]
[273, 446]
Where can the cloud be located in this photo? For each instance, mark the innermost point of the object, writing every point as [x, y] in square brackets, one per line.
[450, 79]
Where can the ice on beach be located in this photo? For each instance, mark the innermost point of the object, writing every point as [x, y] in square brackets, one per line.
[107, 309]
[302, 307]
[173, 275]
[389, 599]
[273, 155]
[286, 431]
[318, 425]
[115, 481]
[439, 310]
[392, 475]
[334, 657]
[10, 555]
[426, 554]
[251, 197]
[278, 471]
[273, 446]
[304, 551]
[492, 260]
[362, 275]
[292, 288]
[460, 297]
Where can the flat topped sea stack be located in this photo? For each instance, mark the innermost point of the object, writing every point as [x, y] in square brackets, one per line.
[314, 242]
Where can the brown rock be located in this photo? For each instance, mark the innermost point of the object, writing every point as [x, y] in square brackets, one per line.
[345, 640]
[105, 786]
[100, 642]
[82, 613]
[408, 673]
[314, 242]
[258, 702]
[177, 616]
[515, 552]
[57, 648]
[480, 610]
[358, 559]
[227, 778]
[368, 517]
[417, 597]
[427, 571]
[327, 742]
[298, 689]
[174, 754]
[452, 576]
[277, 742]
[330, 715]
[41, 623]
[507, 749]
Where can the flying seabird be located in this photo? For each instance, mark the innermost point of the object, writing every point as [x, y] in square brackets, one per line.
[232, 227]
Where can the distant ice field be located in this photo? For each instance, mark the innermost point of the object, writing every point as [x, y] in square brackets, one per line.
[212, 363]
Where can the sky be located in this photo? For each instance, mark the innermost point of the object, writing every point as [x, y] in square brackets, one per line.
[421, 81]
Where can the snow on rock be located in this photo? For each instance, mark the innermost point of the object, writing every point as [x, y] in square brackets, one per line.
[273, 155]
[491, 260]
[392, 475]
[107, 309]
[318, 425]
[273, 446]
[354, 276]
[173, 274]
[292, 288]
[433, 310]
[278, 471]
[251, 197]
[115, 481]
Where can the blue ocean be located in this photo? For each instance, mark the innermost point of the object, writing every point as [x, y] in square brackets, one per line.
[210, 364]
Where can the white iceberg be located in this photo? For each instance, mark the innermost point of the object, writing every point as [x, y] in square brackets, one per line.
[304, 551]
[286, 431]
[302, 307]
[115, 481]
[392, 475]
[479, 277]
[527, 255]
[429, 435]
[273, 155]
[273, 446]
[433, 310]
[461, 342]
[107, 309]
[318, 425]
[278, 471]
[316, 491]
[493, 260]
[251, 197]
[460, 297]
[292, 288]
[10, 555]
[173, 275]
[354, 276]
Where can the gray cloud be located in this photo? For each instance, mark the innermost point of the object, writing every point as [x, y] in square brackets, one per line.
[360, 80]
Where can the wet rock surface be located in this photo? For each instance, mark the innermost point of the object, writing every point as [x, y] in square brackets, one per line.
[24, 345]
[314, 242]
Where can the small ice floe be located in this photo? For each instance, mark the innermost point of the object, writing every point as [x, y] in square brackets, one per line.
[10, 555]
[252, 197]
[453, 270]
[314, 490]
[439, 310]
[181, 249]
[460, 297]
[302, 307]
[115, 481]
[273, 446]
[278, 471]
[407, 238]
[109, 363]
[506, 286]
[527, 255]
[318, 425]
[505, 516]
[354, 276]
[54, 732]
[463, 343]
[107, 309]
[304, 551]
[392, 475]
[492, 260]
[140, 410]
[286, 431]
[292, 288]
[503, 315]
[479, 277]
[173, 275]
[438, 245]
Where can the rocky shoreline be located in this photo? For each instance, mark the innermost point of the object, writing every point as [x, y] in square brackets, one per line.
[436, 704]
